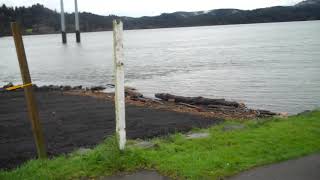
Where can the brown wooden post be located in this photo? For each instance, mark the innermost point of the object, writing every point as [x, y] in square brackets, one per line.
[31, 103]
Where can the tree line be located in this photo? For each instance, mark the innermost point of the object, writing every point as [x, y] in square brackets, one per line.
[38, 19]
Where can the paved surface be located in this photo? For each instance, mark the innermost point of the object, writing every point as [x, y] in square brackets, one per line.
[306, 168]
[142, 175]
[71, 122]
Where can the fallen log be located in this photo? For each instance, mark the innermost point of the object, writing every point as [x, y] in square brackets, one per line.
[196, 100]
[211, 106]
[141, 99]
[188, 105]
[263, 113]
[156, 101]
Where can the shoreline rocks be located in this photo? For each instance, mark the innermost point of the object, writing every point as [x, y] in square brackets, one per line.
[57, 88]
[194, 105]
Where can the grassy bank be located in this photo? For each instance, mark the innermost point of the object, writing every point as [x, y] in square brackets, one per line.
[222, 154]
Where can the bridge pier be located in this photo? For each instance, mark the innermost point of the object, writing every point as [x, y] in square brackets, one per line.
[77, 21]
[63, 24]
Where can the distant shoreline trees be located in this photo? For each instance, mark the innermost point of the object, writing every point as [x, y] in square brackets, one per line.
[38, 19]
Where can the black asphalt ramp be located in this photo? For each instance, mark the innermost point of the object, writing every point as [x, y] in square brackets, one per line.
[71, 122]
[306, 168]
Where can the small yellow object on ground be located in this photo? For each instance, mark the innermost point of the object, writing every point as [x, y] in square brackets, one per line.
[18, 86]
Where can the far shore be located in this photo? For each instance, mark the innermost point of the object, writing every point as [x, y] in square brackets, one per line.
[133, 29]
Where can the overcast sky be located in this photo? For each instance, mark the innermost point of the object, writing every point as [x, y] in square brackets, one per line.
[138, 8]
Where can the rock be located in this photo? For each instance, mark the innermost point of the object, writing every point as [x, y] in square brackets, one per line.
[77, 88]
[35, 87]
[66, 88]
[130, 88]
[54, 88]
[8, 85]
[304, 112]
[44, 88]
[233, 127]
[97, 88]
[197, 135]
[283, 115]
[242, 105]
[133, 93]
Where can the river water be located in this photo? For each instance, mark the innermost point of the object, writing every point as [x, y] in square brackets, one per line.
[274, 66]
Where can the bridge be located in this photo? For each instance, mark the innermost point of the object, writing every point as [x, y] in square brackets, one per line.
[63, 22]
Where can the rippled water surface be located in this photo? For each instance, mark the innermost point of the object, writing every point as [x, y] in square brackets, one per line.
[274, 66]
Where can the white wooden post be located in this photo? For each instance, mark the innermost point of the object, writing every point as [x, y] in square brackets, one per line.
[119, 99]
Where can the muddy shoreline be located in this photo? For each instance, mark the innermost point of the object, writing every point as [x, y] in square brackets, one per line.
[216, 108]
[76, 117]
[72, 121]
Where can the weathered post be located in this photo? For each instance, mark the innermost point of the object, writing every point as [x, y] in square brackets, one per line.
[63, 24]
[76, 14]
[119, 99]
[31, 103]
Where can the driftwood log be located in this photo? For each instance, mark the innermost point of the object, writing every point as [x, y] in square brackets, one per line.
[265, 113]
[196, 100]
[191, 106]
[211, 106]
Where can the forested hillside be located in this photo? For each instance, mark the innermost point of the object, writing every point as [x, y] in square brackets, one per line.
[38, 19]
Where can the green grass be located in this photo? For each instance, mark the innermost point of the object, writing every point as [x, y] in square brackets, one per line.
[223, 153]
[30, 30]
